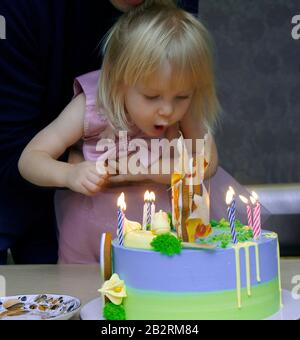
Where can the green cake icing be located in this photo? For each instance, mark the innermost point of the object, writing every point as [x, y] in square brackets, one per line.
[147, 305]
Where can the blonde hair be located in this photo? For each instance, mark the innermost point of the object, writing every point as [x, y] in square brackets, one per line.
[138, 44]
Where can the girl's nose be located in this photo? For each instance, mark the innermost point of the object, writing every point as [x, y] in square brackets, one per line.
[166, 110]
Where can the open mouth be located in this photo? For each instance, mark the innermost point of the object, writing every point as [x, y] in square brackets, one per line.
[159, 128]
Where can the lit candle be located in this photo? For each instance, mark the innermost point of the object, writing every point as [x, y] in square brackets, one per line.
[146, 208]
[249, 210]
[121, 218]
[233, 201]
[232, 190]
[230, 201]
[152, 200]
[256, 215]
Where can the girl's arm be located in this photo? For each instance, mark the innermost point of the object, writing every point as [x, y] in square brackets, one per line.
[38, 163]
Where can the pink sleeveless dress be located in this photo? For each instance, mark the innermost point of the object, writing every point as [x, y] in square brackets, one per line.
[81, 220]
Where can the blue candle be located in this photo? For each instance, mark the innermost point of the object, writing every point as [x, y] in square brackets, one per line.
[121, 219]
[231, 214]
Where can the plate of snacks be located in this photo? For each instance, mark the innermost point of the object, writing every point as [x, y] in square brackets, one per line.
[38, 307]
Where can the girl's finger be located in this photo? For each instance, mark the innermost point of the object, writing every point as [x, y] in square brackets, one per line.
[91, 187]
[97, 180]
[84, 191]
[103, 172]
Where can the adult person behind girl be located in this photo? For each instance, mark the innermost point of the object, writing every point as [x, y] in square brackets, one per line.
[48, 44]
[156, 80]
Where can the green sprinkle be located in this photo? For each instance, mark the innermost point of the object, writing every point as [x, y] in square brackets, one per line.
[167, 244]
[214, 223]
[114, 312]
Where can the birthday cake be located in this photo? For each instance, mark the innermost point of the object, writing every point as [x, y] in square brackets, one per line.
[181, 265]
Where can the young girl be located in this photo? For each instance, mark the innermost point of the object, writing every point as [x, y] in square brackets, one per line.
[156, 80]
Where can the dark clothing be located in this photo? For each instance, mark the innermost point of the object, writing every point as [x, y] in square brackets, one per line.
[48, 43]
[32, 236]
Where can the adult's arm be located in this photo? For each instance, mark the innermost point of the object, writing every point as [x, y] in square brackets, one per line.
[48, 44]
[22, 77]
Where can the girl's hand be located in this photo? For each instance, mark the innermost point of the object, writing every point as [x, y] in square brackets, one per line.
[85, 179]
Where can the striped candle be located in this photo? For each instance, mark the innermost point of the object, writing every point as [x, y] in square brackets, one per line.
[249, 215]
[146, 209]
[232, 221]
[121, 219]
[120, 232]
[256, 216]
[231, 214]
[148, 212]
[257, 221]
[152, 200]
[249, 210]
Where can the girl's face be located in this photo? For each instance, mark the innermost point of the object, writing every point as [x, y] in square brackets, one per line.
[155, 106]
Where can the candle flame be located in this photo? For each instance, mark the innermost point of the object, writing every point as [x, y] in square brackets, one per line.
[254, 194]
[121, 202]
[147, 196]
[152, 197]
[229, 197]
[253, 200]
[244, 199]
[232, 190]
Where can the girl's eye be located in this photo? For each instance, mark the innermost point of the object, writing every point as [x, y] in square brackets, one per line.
[151, 97]
[183, 97]
[156, 97]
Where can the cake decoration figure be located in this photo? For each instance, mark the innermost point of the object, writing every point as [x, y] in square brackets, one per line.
[190, 199]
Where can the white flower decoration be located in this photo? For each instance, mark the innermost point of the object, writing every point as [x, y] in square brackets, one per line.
[114, 289]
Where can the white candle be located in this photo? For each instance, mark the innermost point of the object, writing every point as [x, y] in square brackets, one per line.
[152, 200]
[145, 211]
